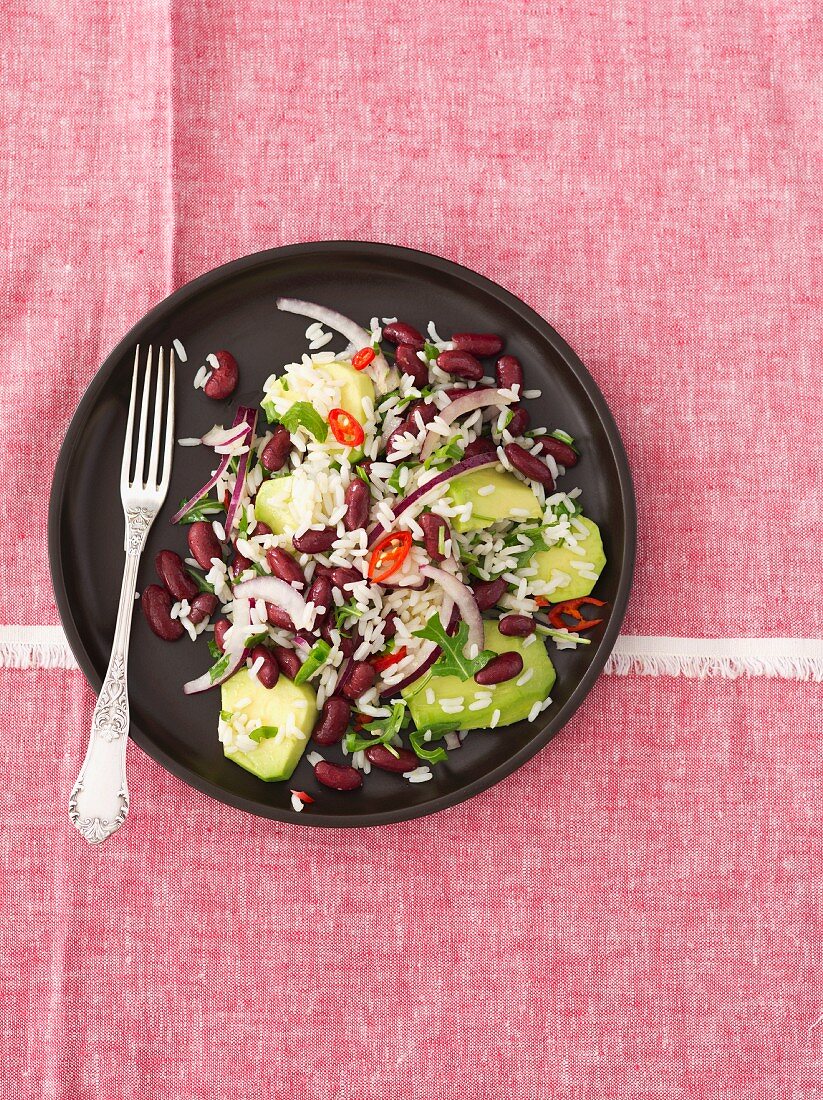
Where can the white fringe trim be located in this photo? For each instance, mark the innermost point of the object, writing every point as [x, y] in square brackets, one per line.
[788, 658]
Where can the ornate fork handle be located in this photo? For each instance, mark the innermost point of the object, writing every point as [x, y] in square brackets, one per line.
[99, 801]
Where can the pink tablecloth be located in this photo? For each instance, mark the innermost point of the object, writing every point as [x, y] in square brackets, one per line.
[638, 911]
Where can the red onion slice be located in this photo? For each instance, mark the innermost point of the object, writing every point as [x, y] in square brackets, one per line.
[476, 399]
[234, 641]
[464, 600]
[273, 590]
[240, 486]
[218, 436]
[462, 467]
[241, 418]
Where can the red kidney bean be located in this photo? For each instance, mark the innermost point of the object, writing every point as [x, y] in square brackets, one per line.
[342, 576]
[203, 607]
[340, 777]
[278, 617]
[516, 626]
[261, 528]
[348, 643]
[394, 437]
[172, 573]
[432, 526]
[461, 363]
[390, 625]
[398, 332]
[381, 757]
[204, 544]
[480, 446]
[320, 595]
[478, 343]
[276, 450]
[288, 660]
[357, 500]
[519, 423]
[284, 567]
[360, 678]
[269, 672]
[315, 542]
[220, 628]
[505, 666]
[332, 723]
[223, 379]
[453, 392]
[321, 570]
[425, 410]
[508, 372]
[529, 465]
[156, 604]
[487, 593]
[239, 563]
[561, 452]
[409, 364]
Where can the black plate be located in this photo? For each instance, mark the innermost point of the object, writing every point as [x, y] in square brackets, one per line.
[233, 307]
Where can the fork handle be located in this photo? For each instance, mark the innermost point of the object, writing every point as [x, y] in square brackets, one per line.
[99, 800]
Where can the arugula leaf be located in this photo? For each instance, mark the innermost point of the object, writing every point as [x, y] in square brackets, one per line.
[535, 537]
[453, 661]
[349, 610]
[431, 351]
[214, 650]
[449, 452]
[433, 756]
[226, 715]
[200, 510]
[217, 670]
[362, 474]
[256, 639]
[381, 730]
[200, 580]
[317, 656]
[394, 481]
[304, 415]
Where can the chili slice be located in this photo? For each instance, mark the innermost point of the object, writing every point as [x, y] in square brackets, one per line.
[362, 359]
[380, 664]
[306, 799]
[570, 608]
[388, 555]
[346, 428]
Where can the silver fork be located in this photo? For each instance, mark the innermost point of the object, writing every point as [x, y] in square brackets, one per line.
[99, 800]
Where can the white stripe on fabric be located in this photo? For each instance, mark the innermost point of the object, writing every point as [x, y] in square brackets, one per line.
[788, 658]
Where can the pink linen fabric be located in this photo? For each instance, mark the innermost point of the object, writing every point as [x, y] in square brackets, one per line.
[638, 911]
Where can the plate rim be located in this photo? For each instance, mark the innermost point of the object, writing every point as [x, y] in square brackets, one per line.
[572, 360]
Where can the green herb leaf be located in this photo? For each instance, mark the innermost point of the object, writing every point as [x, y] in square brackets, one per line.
[217, 670]
[256, 639]
[349, 610]
[226, 715]
[449, 452]
[381, 731]
[431, 351]
[317, 657]
[362, 474]
[304, 415]
[201, 510]
[263, 733]
[394, 481]
[214, 648]
[564, 437]
[453, 660]
[200, 580]
[535, 537]
[421, 749]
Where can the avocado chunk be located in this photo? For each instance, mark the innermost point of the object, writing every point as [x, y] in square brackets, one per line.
[266, 710]
[354, 387]
[563, 559]
[272, 505]
[512, 700]
[511, 499]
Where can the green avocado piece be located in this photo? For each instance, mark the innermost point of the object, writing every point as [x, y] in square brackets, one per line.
[562, 559]
[510, 495]
[266, 709]
[272, 505]
[512, 700]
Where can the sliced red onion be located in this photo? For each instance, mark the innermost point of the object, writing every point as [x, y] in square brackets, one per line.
[240, 487]
[234, 641]
[241, 418]
[464, 600]
[448, 615]
[461, 467]
[273, 590]
[385, 375]
[475, 399]
[224, 437]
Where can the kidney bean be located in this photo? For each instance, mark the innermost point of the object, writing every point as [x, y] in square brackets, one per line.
[261, 528]
[348, 642]
[561, 452]
[516, 626]
[315, 542]
[390, 625]
[529, 465]
[394, 437]
[461, 363]
[340, 777]
[432, 526]
[487, 593]
[321, 570]
[172, 573]
[223, 379]
[203, 607]
[239, 563]
[508, 372]
[156, 604]
[269, 672]
[480, 446]
[409, 364]
[284, 567]
[342, 576]
[288, 660]
[360, 678]
[478, 343]
[426, 411]
[519, 423]
[505, 666]
[204, 544]
[381, 757]
[220, 628]
[357, 500]
[320, 595]
[398, 332]
[332, 723]
[453, 392]
[278, 617]
[276, 450]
